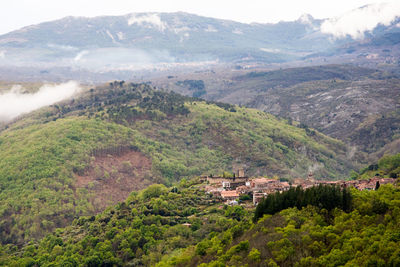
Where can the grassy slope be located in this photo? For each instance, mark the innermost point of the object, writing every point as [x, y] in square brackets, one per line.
[43, 152]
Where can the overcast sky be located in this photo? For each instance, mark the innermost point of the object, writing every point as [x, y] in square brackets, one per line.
[19, 13]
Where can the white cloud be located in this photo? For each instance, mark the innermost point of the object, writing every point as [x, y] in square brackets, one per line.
[152, 20]
[15, 103]
[81, 54]
[2, 53]
[359, 21]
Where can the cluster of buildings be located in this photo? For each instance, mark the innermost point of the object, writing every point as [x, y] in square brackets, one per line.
[231, 188]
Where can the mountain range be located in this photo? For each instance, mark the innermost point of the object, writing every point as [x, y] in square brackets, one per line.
[164, 40]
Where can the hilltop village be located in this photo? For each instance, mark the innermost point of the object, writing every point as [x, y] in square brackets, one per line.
[233, 187]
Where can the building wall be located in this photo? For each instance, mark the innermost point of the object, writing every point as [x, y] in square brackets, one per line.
[216, 180]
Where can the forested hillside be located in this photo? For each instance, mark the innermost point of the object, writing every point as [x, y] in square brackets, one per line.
[184, 226]
[77, 157]
[358, 106]
[313, 236]
[387, 166]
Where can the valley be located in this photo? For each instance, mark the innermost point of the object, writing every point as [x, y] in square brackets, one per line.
[175, 139]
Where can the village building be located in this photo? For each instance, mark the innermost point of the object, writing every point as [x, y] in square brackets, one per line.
[384, 180]
[243, 189]
[261, 183]
[233, 203]
[229, 195]
[230, 183]
[215, 191]
[281, 186]
[230, 188]
[240, 173]
[366, 186]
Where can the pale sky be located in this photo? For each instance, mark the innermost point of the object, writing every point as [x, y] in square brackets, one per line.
[15, 14]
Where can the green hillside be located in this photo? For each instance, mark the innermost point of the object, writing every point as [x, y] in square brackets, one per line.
[366, 236]
[80, 156]
[140, 230]
[356, 105]
[387, 166]
[184, 226]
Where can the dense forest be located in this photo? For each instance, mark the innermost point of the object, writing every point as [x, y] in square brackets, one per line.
[181, 225]
[324, 197]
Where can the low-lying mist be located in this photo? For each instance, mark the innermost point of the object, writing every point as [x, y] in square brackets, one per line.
[15, 102]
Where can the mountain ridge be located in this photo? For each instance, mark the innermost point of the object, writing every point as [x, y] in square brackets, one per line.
[354, 104]
[75, 157]
[166, 31]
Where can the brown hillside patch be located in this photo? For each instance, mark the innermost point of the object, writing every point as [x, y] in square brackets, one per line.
[111, 178]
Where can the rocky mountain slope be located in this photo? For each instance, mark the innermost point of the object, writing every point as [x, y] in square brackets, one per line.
[357, 105]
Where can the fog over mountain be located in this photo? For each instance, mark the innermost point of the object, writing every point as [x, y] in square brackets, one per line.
[16, 102]
[357, 22]
[163, 40]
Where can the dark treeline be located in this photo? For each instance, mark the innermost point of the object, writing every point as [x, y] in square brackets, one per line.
[322, 196]
[197, 86]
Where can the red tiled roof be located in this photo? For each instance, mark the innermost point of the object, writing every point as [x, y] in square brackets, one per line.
[232, 193]
[263, 180]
